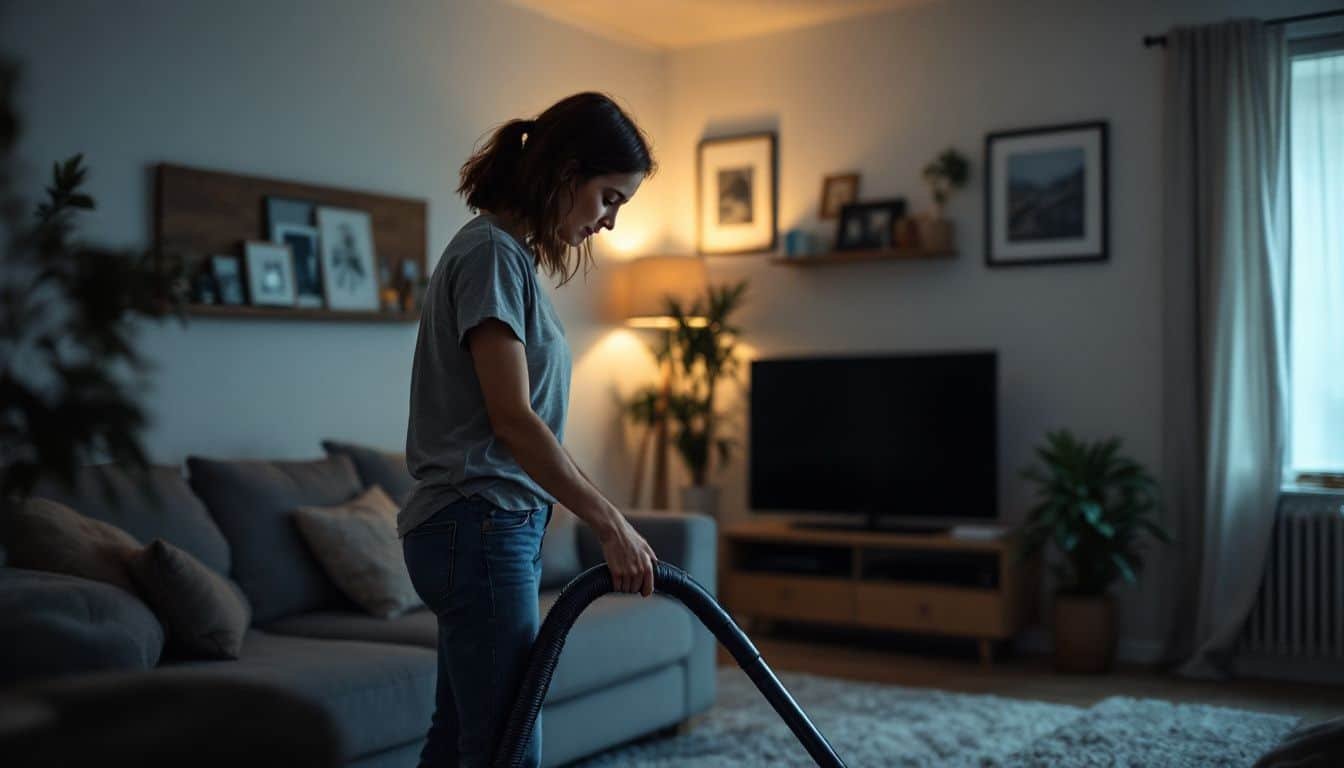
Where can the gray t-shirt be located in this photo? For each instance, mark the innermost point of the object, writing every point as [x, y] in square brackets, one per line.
[451, 449]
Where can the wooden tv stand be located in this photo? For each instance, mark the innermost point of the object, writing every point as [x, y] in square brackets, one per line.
[923, 583]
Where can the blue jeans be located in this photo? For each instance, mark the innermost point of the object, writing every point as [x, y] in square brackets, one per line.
[478, 568]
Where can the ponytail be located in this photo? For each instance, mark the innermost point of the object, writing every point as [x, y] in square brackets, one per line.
[488, 176]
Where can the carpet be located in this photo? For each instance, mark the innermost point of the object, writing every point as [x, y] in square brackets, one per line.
[885, 725]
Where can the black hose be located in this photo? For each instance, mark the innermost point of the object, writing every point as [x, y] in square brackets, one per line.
[671, 581]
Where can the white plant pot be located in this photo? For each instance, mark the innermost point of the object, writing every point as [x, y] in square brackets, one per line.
[700, 498]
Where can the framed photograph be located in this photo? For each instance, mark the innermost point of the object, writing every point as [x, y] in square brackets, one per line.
[1046, 195]
[302, 241]
[837, 191]
[868, 225]
[349, 271]
[270, 273]
[287, 210]
[228, 274]
[735, 194]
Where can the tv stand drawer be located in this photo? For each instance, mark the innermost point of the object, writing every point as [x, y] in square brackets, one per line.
[971, 612]
[790, 597]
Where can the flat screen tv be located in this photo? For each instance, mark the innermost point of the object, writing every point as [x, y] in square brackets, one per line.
[902, 441]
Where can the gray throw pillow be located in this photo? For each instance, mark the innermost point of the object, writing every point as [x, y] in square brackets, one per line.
[377, 467]
[54, 624]
[356, 542]
[205, 614]
[560, 549]
[44, 535]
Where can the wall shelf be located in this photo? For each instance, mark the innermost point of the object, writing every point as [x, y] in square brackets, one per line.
[298, 313]
[876, 254]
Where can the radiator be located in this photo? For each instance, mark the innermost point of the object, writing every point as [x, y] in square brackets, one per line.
[1300, 610]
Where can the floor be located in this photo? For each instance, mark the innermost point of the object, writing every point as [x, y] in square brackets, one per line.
[954, 667]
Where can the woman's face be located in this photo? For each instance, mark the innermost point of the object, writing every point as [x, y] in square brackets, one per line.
[595, 204]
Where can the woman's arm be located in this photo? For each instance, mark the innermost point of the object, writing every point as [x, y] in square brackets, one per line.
[501, 367]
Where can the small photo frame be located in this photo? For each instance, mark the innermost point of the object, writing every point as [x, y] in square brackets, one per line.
[1046, 195]
[287, 210]
[228, 274]
[303, 243]
[270, 273]
[349, 271]
[735, 194]
[837, 191]
[869, 225]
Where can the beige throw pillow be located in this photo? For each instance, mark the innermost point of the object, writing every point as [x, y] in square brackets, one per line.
[205, 614]
[43, 535]
[356, 543]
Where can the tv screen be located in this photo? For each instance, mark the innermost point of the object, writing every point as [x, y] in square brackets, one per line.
[909, 436]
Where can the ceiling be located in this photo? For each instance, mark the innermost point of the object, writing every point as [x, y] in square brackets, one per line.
[672, 24]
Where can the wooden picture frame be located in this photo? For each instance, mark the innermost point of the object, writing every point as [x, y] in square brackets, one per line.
[837, 191]
[736, 194]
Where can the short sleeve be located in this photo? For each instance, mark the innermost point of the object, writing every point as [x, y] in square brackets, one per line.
[490, 281]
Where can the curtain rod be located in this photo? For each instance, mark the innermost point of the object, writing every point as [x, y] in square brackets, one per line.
[1151, 40]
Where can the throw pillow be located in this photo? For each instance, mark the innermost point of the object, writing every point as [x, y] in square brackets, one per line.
[44, 535]
[205, 614]
[54, 624]
[356, 542]
[560, 549]
[377, 467]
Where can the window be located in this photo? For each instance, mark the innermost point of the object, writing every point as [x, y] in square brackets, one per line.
[1316, 299]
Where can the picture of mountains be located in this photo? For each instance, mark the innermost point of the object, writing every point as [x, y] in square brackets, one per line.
[1046, 195]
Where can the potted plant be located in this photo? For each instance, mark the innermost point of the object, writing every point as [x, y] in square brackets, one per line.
[944, 174]
[1095, 506]
[703, 352]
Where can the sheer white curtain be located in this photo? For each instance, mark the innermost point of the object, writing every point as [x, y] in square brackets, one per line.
[1316, 314]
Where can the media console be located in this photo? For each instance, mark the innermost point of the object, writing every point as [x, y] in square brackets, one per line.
[924, 583]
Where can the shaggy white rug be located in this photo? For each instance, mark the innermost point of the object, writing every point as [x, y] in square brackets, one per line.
[885, 725]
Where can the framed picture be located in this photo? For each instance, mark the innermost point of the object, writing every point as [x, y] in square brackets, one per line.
[270, 273]
[1046, 195]
[735, 194]
[302, 241]
[287, 210]
[868, 225]
[837, 191]
[228, 276]
[349, 274]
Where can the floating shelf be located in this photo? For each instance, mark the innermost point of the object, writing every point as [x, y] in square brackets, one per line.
[297, 313]
[876, 254]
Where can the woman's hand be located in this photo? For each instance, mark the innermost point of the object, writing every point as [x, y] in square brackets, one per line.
[629, 558]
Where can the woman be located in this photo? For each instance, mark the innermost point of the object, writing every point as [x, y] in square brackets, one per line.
[489, 394]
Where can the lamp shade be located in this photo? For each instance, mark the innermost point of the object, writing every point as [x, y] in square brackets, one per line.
[648, 282]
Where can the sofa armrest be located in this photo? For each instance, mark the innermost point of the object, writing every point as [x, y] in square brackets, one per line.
[686, 540]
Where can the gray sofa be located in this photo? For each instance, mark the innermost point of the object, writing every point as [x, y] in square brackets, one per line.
[631, 665]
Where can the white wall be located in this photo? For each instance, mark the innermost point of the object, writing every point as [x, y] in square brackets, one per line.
[378, 96]
[1079, 345]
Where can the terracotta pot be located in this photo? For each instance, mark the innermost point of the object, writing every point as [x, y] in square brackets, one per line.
[700, 498]
[1084, 633]
[935, 234]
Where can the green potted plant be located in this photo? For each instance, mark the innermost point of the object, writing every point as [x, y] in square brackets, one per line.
[702, 349]
[1095, 507]
[945, 174]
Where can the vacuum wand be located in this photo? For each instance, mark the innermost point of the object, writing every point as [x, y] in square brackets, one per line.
[673, 582]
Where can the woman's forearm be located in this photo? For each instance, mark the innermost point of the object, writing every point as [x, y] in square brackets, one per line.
[545, 460]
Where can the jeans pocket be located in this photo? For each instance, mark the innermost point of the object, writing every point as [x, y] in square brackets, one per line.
[429, 550]
[503, 520]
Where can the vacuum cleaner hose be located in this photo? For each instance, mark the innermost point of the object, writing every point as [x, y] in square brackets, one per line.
[671, 581]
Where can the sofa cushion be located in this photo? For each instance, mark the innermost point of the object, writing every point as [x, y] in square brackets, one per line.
[253, 503]
[45, 535]
[205, 614]
[357, 544]
[377, 467]
[54, 624]
[616, 637]
[167, 509]
[380, 695]
[560, 549]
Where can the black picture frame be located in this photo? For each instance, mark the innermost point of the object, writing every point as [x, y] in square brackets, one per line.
[227, 271]
[1070, 227]
[868, 225]
[760, 153]
[287, 210]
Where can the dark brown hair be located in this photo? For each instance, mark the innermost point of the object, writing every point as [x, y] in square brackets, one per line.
[526, 163]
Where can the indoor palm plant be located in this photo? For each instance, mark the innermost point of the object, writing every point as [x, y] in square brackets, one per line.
[701, 349]
[1095, 507]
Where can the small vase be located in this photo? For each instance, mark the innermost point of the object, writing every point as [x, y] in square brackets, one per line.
[935, 234]
[700, 498]
[1084, 633]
